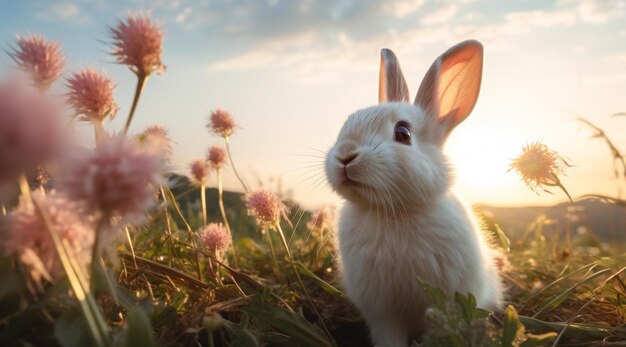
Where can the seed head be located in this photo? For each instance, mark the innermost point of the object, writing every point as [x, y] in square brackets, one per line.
[540, 166]
[265, 207]
[138, 43]
[320, 220]
[215, 237]
[217, 157]
[41, 59]
[221, 123]
[26, 236]
[118, 178]
[156, 138]
[199, 171]
[91, 95]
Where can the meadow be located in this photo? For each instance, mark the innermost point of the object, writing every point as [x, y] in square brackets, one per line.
[102, 245]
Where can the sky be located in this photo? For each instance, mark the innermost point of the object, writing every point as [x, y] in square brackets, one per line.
[290, 73]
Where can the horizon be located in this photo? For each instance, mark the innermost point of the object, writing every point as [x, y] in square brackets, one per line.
[290, 74]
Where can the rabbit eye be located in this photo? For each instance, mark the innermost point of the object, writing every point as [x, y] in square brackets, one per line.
[402, 133]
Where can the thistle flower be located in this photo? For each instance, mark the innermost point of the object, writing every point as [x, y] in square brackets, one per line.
[91, 95]
[320, 220]
[221, 123]
[138, 43]
[199, 171]
[155, 138]
[265, 207]
[41, 59]
[26, 235]
[117, 178]
[30, 130]
[215, 237]
[217, 156]
[540, 166]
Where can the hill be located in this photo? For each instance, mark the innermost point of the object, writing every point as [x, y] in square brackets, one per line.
[605, 220]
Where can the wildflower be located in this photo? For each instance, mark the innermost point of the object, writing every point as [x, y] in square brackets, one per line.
[215, 237]
[266, 207]
[221, 123]
[155, 138]
[41, 59]
[138, 43]
[117, 178]
[30, 130]
[320, 220]
[199, 171]
[217, 157]
[91, 95]
[540, 166]
[26, 235]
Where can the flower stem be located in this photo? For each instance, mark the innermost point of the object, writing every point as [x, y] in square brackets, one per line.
[89, 308]
[230, 158]
[98, 131]
[95, 252]
[142, 78]
[220, 194]
[203, 202]
[295, 269]
[268, 237]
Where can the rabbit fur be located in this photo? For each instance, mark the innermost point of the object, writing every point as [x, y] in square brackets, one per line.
[400, 221]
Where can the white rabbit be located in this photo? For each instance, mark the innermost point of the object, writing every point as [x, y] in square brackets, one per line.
[400, 220]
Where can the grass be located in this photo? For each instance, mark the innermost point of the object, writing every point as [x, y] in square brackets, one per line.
[567, 289]
[158, 289]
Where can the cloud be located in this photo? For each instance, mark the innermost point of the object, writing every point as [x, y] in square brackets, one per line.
[401, 9]
[439, 16]
[63, 12]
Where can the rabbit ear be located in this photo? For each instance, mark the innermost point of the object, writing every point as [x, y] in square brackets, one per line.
[391, 84]
[450, 88]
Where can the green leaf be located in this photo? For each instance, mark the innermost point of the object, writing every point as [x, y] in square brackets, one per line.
[139, 329]
[323, 284]
[435, 295]
[71, 330]
[467, 305]
[504, 241]
[240, 336]
[290, 323]
[512, 327]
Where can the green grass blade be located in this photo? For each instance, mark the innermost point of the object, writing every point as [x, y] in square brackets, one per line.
[555, 302]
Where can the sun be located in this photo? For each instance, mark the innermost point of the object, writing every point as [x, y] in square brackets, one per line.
[480, 165]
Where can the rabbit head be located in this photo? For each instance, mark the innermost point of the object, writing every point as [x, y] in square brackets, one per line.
[390, 155]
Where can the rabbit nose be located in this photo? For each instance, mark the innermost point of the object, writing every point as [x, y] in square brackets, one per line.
[346, 160]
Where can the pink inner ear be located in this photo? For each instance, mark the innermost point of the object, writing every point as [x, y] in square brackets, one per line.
[391, 83]
[450, 88]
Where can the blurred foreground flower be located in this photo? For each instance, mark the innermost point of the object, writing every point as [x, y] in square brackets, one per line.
[155, 138]
[41, 59]
[265, 207]
[117, 178]
[215, 237]
[27, 237]
[217, 157]
[91, 95]
[540, 166]
[30, 131]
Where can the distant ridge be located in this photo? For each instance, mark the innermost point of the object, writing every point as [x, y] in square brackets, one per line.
[607, 221]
